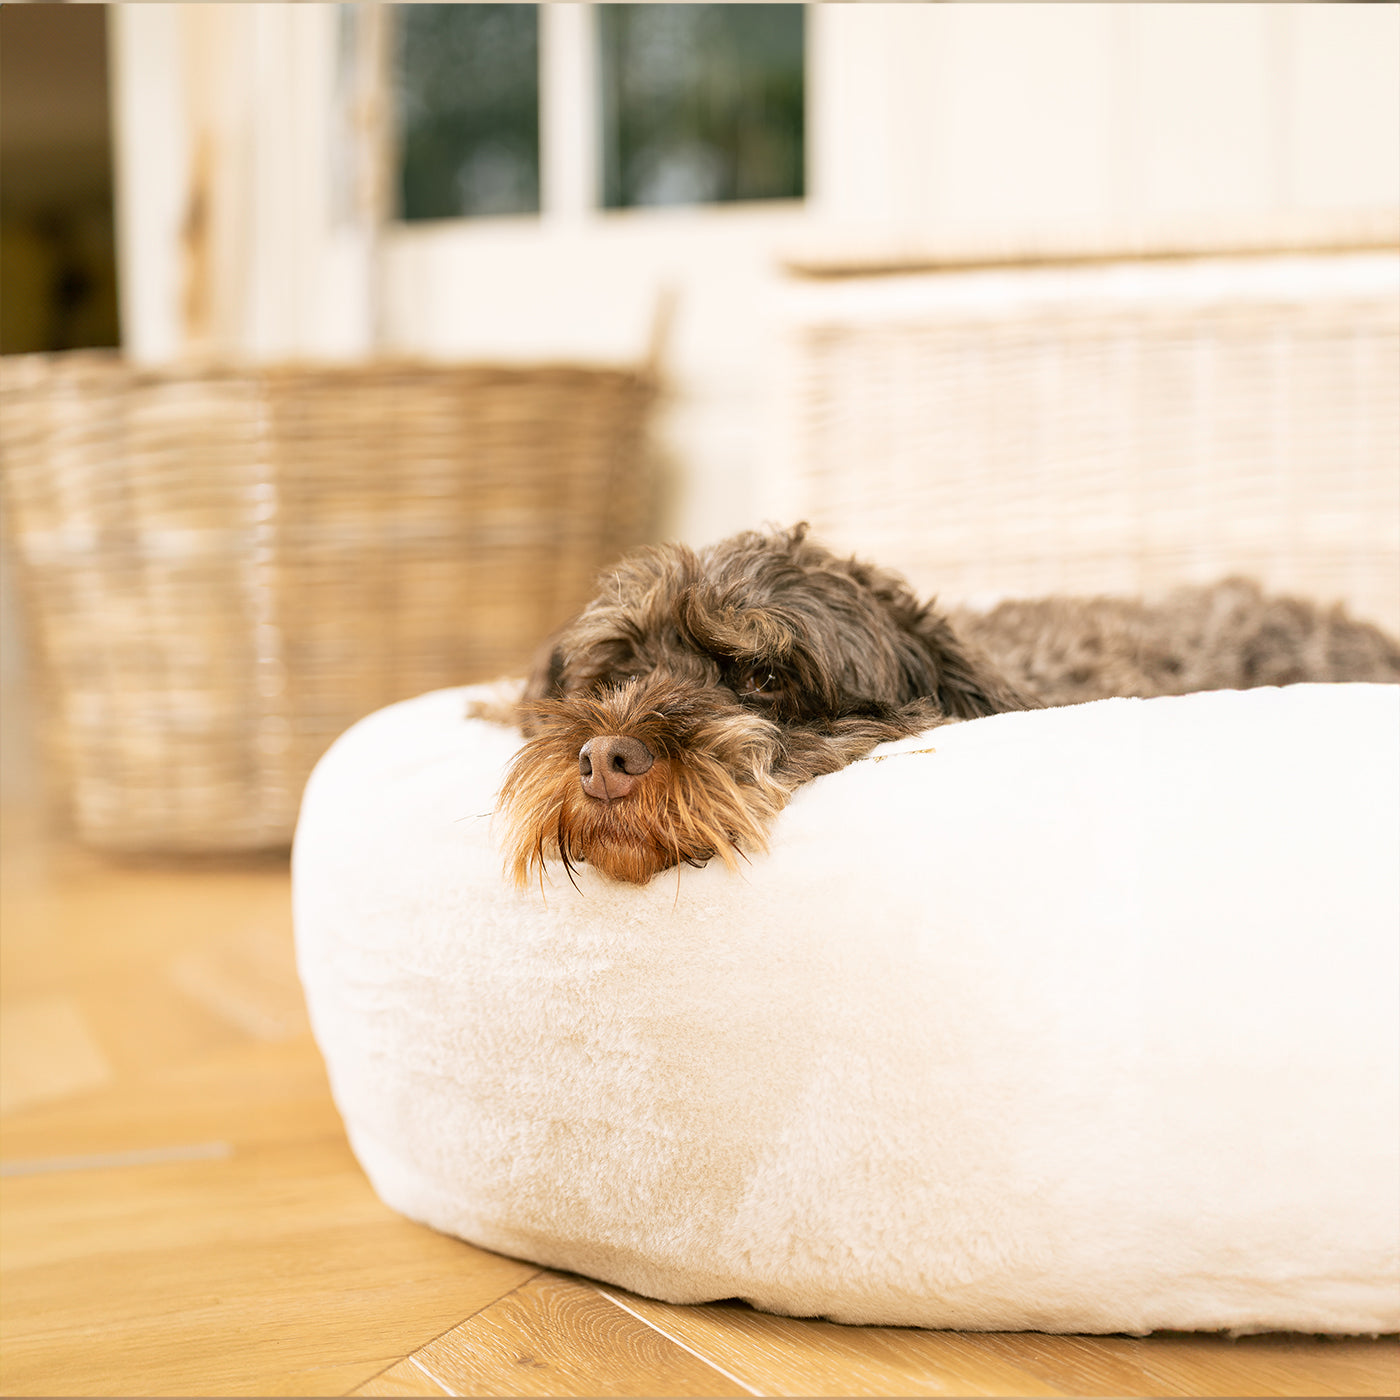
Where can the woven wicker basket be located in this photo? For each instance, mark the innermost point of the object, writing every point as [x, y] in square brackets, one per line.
[224, 568]
[1116, 427]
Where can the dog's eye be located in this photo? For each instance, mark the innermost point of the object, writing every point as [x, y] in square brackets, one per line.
[614, 680]
[756, 680]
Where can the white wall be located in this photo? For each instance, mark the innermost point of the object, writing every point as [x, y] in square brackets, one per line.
[928, 123]
[946, 117]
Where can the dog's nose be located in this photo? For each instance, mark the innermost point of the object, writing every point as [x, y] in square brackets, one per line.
[611, 764]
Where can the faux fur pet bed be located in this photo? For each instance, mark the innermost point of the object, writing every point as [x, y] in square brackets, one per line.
[1079, 1019]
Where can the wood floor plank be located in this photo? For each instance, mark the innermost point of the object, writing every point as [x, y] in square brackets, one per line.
[407, 1378]
[165, 966]
[561, 1336]
[275, 1271]
[247, 1093]
[1083, 1365]
[806, 1356]
[147, 1024]
[47, 1051]
[86, 917]
[1209, 1364]
[803, 1356]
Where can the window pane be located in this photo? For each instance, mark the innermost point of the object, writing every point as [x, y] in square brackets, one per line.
[468, 99]
[701, 103]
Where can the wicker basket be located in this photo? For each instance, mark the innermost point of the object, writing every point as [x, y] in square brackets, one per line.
[1116, 427]
[224, 568]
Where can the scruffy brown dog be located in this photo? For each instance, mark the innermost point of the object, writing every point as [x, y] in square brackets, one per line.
[673, 718]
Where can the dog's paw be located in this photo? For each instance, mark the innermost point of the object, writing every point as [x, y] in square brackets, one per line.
[498, 702]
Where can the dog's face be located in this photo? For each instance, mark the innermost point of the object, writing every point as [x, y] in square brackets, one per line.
[675, 715]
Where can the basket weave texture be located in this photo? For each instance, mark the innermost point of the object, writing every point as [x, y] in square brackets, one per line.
[224, 568]
[1108, 429]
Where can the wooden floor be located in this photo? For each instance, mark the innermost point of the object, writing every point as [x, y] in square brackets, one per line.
[180, 1214]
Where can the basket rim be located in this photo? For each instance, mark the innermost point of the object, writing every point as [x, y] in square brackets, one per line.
[114, 363]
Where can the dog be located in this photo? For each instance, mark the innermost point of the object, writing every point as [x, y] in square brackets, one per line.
[673, 718]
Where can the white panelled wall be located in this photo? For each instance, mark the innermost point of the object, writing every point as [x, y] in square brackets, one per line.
[251, 177]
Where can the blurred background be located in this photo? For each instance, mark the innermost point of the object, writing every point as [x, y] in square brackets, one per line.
[379, 328]
[344, 344]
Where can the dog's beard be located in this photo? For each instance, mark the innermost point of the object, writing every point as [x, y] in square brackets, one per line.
[712, 789]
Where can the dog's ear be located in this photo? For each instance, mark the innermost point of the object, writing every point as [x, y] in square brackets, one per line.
[966, 683]
[936, 662]
[545, 682]
[546, 679]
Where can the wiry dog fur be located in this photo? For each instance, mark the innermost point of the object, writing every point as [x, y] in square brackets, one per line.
[1224, 636]
[715, 682]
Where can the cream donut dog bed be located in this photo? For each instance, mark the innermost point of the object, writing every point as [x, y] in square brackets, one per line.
[1082, 1019]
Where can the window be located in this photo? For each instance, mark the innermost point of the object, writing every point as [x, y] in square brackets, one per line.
[467, 99]
[695, 104]
[700, 103]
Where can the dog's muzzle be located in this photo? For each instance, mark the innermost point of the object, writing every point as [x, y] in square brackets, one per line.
[610, 765]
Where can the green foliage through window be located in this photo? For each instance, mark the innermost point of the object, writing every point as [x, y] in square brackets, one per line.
[701, 103]
[467, 96]
[698, 104]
